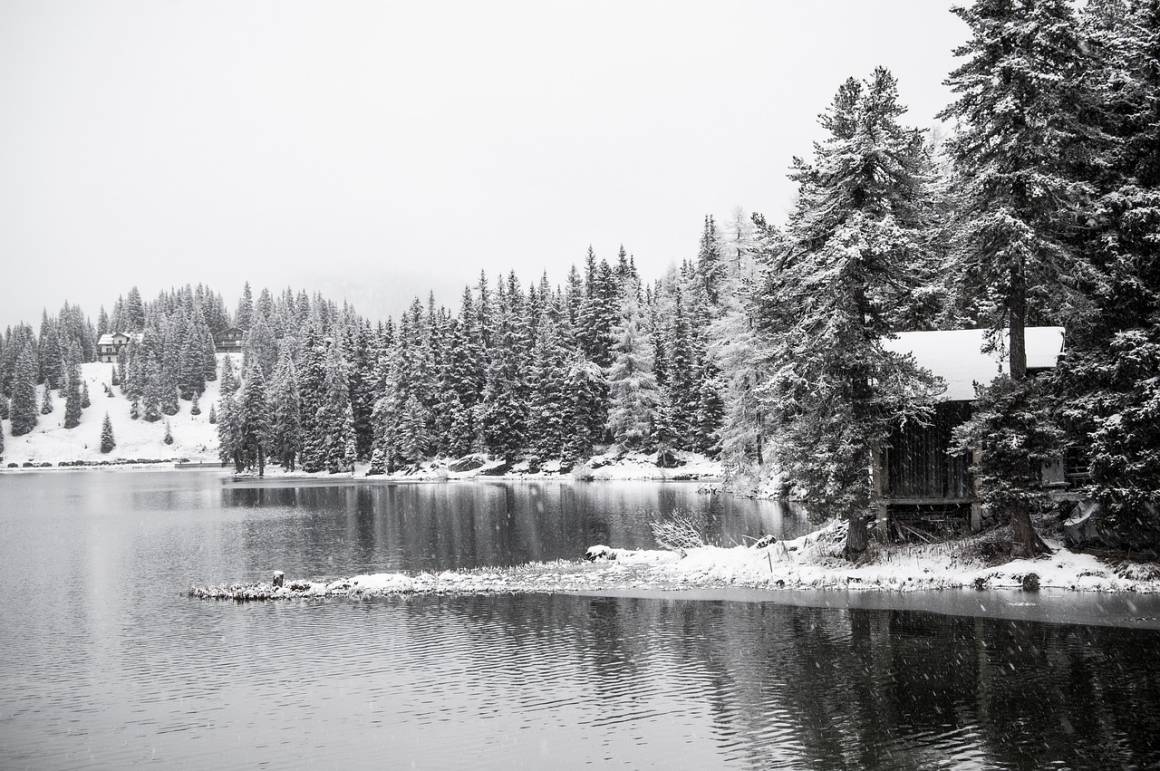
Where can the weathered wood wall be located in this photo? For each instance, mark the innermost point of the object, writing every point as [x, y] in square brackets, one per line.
[917, 465]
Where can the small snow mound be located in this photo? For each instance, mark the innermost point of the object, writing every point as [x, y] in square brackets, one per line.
[600, 552]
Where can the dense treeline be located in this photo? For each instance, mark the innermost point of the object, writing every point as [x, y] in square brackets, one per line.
[1042, 206]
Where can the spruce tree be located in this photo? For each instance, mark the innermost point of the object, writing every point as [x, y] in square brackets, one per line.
[168, 434]
[73, 397]
[86, 402]
[547, 399]
[229, 424]
[852, 243]
[312, 394]
[336, 418]
[134, 311]
[253, 426]
[632, 389]
[51, 354]
[212, 414]
[46, 402]
[108, 443]
[1021, 138]
[244, 318]
[1107, 385]
[284, 409]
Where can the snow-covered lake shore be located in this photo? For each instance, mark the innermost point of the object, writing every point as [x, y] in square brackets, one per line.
[610, 466]
[809, 563]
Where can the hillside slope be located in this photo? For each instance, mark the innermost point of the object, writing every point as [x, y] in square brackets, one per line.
[194, 437]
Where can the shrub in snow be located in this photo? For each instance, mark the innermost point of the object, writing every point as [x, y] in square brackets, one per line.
[583, 473]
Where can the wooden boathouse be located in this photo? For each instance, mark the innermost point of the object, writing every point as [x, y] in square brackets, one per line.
[915, 479]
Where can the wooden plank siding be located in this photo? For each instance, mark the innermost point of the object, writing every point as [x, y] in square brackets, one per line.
[918, 468]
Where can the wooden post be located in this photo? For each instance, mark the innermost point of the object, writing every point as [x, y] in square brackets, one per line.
[976, 504]
[878, 491]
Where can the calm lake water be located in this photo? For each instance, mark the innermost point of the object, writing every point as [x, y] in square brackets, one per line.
[105, 664]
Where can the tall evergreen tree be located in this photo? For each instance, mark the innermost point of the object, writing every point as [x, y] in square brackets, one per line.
[285, 405]
[108, 442]
[23, 409]
[853, 239]
[73, 396]
[1108, 383]
[253, 424]
[633, 395]
[1020, 141]
[244, 318]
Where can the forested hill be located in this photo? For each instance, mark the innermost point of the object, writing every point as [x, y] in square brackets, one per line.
[1042, 206]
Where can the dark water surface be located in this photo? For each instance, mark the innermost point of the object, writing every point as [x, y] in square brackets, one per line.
[104, 664]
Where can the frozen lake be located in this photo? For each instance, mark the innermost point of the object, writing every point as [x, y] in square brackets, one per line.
[104, 663]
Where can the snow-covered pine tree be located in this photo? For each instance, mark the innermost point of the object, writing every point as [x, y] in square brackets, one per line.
[312, 396]
[547, 398]
[153, 392]
[86, 402]
[108, 443]
[229, 376]
[733, 345]
[253, 422]
[1108, 384]
[212, 414]
[681, 391]
[244, 317]
[259, 346]
[168, 439]
[228, 425]
[503, 410]
[72, 388]
[336, 417]
[46, 401]
[632, 389]
[413, 438]
[584, 387]
[51, 354]
[1020, 138]
[134, 311]
[852, 242]
[285, 417]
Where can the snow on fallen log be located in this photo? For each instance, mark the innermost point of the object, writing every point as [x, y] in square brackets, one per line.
[810, 562]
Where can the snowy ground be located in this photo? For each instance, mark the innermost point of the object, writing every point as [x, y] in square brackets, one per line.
[194, 437]
[611, 465]
[810, 562]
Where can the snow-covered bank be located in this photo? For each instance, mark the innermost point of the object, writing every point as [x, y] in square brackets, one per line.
[811, 562]
[194, 437]
[612, 465]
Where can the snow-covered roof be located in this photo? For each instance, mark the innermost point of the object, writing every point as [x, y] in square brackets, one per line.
[110, 338]
[957, 355]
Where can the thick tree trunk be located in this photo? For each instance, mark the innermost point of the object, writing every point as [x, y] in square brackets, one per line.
[1017, 326]
[1025, 542]
[857, 537]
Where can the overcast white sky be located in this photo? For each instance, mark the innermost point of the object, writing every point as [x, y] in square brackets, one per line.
[379, 148]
